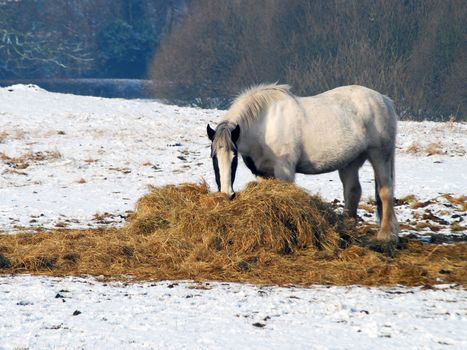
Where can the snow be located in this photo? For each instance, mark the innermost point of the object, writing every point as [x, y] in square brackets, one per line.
[77, 162]
[183, 315]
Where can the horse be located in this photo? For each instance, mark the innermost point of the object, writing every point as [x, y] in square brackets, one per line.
[279, 134]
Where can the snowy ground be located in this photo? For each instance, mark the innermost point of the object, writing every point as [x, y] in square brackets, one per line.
[72, 313]
[74, 161]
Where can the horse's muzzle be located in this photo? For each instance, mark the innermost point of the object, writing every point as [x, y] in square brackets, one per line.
[232, 196]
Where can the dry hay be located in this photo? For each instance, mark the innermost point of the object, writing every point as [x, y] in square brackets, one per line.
[25, 159]
[272, 233]
[460, 201]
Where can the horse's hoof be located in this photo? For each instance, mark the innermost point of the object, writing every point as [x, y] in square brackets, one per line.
[388, 248]
[387, 237]
[388, 233]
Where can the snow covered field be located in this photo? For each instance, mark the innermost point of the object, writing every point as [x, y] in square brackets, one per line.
[74, 313]
[77, 162]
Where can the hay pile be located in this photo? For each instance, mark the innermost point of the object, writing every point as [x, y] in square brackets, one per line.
[273, 232]
[269, 216]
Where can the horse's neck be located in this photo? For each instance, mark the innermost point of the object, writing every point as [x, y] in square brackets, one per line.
[244, 118]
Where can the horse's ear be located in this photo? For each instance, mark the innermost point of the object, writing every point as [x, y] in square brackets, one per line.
[235, 134]
[211, 132]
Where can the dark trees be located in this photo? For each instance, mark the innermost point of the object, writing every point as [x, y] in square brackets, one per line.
[414, 51]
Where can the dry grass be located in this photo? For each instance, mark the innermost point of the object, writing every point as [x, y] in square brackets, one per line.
[427, 225]
[413, 149]
[420, 204]
[272, 233]
[368, 207]
[24, 160]
[457, 227]
[3, 136]
[434, 149]
[429, 150]
[17, 134]
[460, 201]
[409, 199]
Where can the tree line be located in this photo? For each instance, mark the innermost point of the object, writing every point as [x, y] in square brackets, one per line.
[206, 51]
[412, 50]
[85, 38]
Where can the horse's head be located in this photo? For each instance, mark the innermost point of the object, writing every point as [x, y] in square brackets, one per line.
[224, 155]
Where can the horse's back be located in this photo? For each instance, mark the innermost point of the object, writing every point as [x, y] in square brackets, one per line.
[351, 101]
[352, 106]
[341, 124]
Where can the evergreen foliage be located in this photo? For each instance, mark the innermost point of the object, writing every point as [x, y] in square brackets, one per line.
[125, 50]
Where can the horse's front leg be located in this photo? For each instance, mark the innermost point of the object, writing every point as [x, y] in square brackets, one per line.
[284, 171]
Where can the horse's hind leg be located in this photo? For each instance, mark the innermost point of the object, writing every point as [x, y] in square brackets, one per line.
[352, 188]
[379, 205]
[384, 168]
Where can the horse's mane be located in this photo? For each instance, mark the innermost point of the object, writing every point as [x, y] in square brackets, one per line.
[250, 103]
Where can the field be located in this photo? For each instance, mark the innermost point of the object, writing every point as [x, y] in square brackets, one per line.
[72, 162]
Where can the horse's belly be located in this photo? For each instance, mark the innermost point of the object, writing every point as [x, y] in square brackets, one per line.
[320, 166]
[314, 168]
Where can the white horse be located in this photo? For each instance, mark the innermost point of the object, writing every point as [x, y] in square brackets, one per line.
[279, 134]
